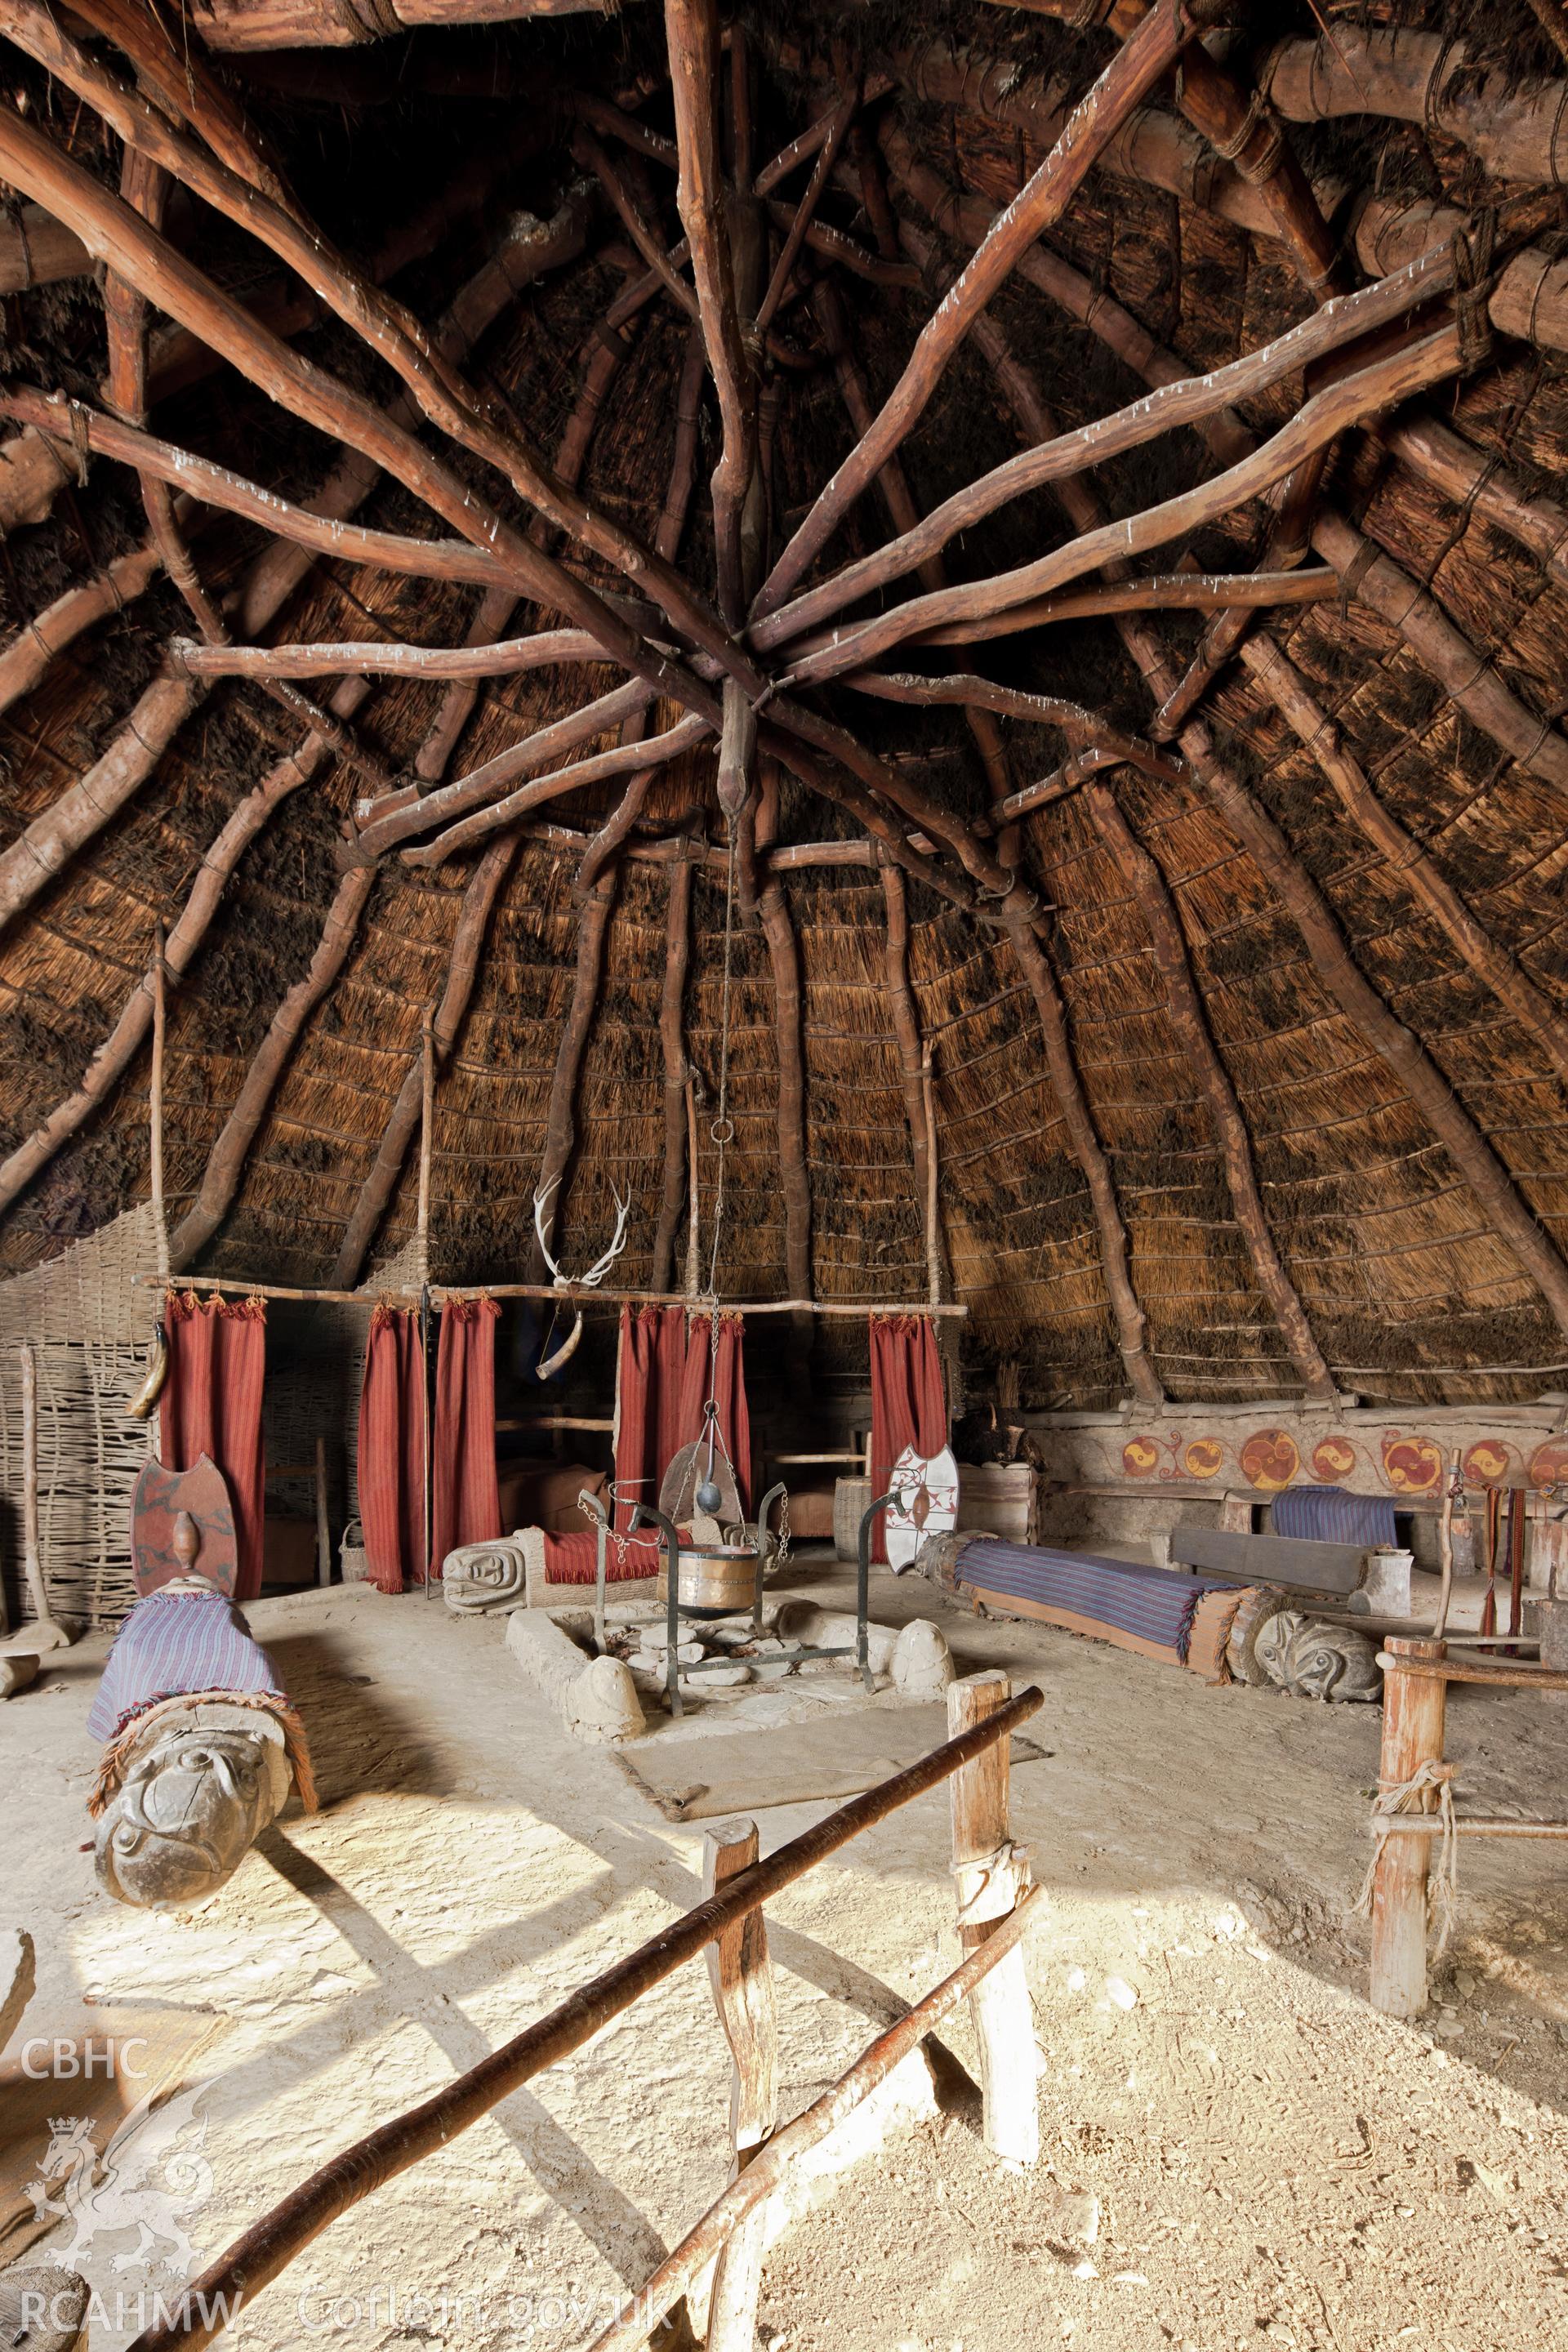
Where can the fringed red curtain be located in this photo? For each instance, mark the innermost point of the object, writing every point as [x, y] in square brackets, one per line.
[728, 1370]
[662, 1383]
[466, 1506]
[212, 1405]
[391, 1450]
[908, 1406]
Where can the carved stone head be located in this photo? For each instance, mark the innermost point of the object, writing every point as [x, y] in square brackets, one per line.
[188, 1812]
[485, 1575]
[1309, 1659]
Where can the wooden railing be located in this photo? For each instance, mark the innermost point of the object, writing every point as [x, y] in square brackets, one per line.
[1415, 1805]
[995, 1898]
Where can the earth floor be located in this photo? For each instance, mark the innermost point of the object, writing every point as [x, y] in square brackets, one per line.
[1236, 2149]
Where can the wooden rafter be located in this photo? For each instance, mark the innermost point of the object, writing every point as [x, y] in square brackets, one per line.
[691, 32]
[375, 1193]
[1129, 77]
[1537, 1015]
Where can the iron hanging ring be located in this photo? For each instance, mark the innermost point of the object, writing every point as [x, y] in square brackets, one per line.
[722, 1132]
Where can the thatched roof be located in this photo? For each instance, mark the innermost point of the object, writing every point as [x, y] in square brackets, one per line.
[1261, 1061]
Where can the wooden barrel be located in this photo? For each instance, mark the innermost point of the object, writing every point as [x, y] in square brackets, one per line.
[850, 1497]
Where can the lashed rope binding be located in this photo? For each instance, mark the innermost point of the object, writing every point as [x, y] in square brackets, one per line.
[1443, 1871]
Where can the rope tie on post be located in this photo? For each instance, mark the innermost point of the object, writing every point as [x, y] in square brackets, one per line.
[1443, 1874]
[991, 1885]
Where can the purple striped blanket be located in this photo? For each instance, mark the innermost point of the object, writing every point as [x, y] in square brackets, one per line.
[1149, 1604]
[1334, 1514]
[172, 1644]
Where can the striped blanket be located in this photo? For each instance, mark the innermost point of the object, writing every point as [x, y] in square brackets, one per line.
[1334, 1514]
[172, 1645]
[1183, 1621]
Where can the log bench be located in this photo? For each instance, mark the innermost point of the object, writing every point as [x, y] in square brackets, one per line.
[1299, 1564]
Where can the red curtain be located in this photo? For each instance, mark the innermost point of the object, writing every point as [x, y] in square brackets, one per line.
[466, 1506]
[908, 1406]
[391, 1450]
[729, 1378]
[212, 1405]
[663, 1386]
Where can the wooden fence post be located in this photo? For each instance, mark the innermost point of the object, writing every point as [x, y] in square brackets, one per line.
[741, 1975]
[989, 1876]
[1414, 1706]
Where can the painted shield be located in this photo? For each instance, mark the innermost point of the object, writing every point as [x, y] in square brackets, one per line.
[926, 1502]
[1490, 1463]
[161, 1497]
[1141, 1456]
[1413, 1465]
[1333, 1460]
[1203, 1458]
[1269, 1459]
[1549, 1466]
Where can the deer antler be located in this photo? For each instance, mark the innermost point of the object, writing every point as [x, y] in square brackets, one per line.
[601, 1267]
[539, 1200]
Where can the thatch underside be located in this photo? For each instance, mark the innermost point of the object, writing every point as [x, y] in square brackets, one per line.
[1411, 1280]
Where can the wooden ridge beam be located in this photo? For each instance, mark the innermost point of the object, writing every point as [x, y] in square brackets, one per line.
[1163, 592]
[244, 26]
[462, 970]
[635, 755]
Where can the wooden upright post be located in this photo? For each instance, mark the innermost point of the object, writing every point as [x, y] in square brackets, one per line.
[742, 1979]
[155, 1100]
[43, 1634]
[1414, 1706]
[426, 1135]
[989, 1876]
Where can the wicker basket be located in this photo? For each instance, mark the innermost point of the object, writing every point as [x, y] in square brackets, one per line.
[352, 1554]
[850, 1497]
